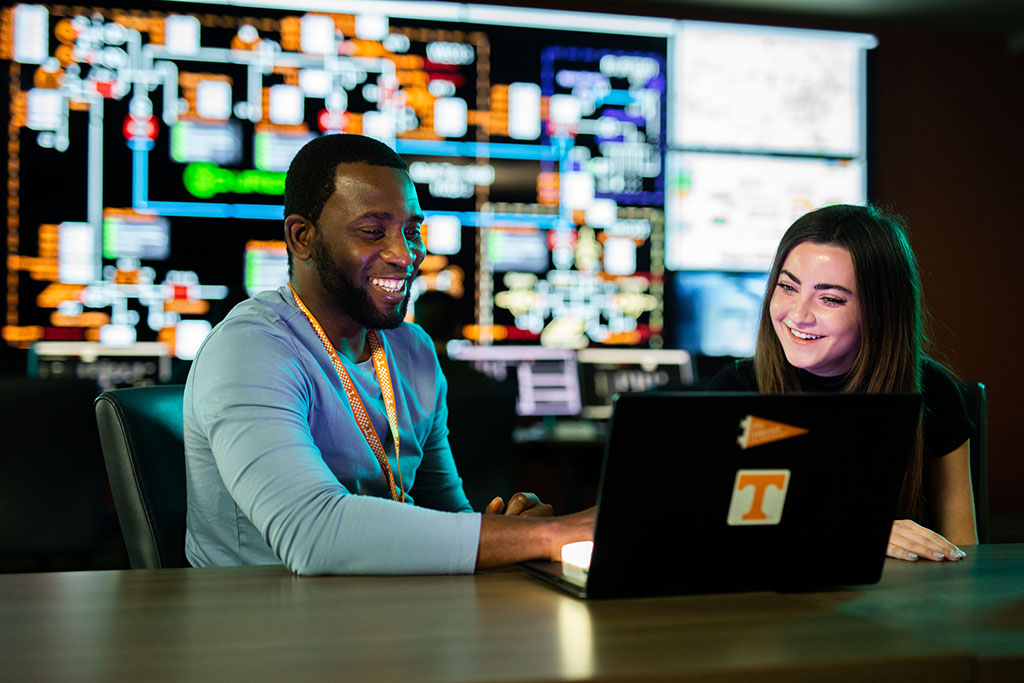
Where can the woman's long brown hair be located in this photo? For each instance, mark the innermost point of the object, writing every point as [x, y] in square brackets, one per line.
[889, 294]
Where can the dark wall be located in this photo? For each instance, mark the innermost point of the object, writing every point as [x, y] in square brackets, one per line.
[948, 111]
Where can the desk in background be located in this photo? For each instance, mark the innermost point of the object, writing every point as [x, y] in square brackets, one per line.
[935, 622]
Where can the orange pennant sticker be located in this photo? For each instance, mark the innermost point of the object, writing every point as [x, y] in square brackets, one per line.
[758, 431]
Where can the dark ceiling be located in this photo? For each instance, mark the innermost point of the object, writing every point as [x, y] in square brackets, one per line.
[988, 16]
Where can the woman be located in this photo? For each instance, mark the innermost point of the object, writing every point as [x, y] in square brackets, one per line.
[842, 312]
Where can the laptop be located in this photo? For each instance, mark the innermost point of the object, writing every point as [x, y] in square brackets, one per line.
[721, 492]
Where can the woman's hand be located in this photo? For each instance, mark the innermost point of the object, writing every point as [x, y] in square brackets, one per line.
[911, 541]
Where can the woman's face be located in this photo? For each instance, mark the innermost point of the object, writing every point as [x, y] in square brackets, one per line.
[815, 311]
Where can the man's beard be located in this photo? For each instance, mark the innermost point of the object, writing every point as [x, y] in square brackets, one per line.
[354, 302]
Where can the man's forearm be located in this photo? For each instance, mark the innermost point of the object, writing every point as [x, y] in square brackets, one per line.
[508, 539]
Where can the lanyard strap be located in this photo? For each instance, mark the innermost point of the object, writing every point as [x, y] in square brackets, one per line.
[380, 366]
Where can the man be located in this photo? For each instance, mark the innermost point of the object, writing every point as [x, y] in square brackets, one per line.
[315, 419]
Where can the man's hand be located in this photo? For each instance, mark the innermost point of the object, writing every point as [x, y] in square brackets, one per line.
[579, 526]
[911, 541]
[520, 504]
[507, 539]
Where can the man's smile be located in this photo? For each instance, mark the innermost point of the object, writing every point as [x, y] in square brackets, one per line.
[389, 285]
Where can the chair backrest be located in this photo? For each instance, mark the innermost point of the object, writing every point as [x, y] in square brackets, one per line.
[143, 447]
[977, 407]
[54, 510]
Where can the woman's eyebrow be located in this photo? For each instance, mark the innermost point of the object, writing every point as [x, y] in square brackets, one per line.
[825, 285]
[819, 286]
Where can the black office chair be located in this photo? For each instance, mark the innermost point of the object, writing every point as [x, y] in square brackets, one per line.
[54, 513]
[142, 437]
[977, 408]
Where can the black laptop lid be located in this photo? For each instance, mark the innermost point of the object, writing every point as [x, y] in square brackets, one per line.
[706, 492]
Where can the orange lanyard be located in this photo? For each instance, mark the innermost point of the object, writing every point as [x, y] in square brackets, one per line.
[380, 365]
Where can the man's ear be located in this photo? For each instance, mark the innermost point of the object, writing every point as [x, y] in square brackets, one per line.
[299, 234]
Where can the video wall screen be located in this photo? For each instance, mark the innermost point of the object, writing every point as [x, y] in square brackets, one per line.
[565, 161]
[728, 211]
[718, 312]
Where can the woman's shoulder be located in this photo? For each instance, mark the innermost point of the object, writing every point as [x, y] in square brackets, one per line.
[946, 420]
[737, 375]
[937, 378]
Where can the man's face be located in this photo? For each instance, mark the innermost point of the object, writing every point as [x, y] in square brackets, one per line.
[367, 246]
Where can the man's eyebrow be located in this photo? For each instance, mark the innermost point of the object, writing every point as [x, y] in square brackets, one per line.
[388, 216]
[819, 286]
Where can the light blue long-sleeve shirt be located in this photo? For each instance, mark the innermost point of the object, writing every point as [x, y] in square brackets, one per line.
[278, 471]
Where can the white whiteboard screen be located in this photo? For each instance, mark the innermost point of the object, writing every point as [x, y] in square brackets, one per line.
[728, 211]
[767, 92]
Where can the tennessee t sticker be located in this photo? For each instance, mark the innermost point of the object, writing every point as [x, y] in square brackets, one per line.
[758, 431]
[758, 497]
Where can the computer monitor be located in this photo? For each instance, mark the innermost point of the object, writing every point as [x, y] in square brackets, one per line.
[548, 379]
[605, 372]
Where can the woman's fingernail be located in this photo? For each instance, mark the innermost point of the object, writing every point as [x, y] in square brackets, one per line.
[911, 556]
[938, 555]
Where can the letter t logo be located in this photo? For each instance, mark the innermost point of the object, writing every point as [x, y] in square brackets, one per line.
[758, 497]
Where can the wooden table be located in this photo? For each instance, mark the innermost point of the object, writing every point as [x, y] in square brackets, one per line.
[934, 622]
[976, 605]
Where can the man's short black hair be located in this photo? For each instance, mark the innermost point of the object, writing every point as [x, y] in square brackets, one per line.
[310, 180]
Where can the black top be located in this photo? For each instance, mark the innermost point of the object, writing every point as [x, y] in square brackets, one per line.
[946, 423]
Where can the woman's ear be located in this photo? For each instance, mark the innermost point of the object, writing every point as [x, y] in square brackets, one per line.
[298, 234]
